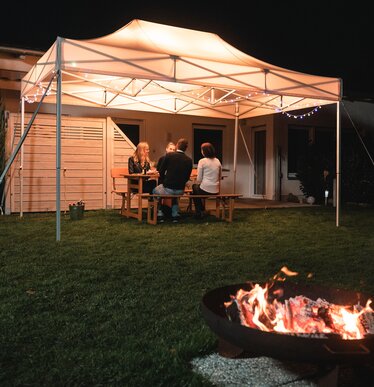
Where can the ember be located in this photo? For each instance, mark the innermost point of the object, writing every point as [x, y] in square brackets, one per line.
[261, 309]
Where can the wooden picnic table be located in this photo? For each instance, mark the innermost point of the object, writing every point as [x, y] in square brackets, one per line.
[135, 182]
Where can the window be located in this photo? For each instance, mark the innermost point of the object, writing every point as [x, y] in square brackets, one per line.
[201, 135]
[300, 137]
[298, 140]
[325, 140]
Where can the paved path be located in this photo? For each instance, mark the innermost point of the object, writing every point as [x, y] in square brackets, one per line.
[261, 203]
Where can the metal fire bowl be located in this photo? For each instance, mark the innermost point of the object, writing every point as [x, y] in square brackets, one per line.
[296, 347]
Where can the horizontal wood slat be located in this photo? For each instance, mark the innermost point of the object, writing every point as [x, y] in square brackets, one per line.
[70, 196]
[51, 173]
[51, 142]
[47, 189]
[51, 181]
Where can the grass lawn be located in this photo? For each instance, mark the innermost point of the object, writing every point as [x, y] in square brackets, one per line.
[117, 302]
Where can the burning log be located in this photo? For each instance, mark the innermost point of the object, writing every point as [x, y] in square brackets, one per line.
[301, 314]
[367, 321]
[288, 317]
[323, 313]
[301, 326]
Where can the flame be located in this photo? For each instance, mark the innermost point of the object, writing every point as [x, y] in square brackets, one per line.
[300, 314]
[288, 272]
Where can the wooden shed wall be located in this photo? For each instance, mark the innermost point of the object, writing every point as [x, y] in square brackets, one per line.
[89, 149]
[120, 148]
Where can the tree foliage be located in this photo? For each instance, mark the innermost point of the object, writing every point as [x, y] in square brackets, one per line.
[357, 170]
[311, 172]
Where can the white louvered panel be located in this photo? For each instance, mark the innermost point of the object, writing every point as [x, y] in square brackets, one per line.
[85, 144]
[82, 168]
[51, 181]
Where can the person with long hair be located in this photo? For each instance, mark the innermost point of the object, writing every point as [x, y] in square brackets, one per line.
[209, 174]
[140, 162]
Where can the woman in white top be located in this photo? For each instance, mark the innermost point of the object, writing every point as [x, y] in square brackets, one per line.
[209, 172]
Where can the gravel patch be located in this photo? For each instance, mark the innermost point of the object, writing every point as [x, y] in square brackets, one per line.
[257, 372]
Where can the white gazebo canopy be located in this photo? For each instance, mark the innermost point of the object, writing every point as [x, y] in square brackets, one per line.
[159, 68]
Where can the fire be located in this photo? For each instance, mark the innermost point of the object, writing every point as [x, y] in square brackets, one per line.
[300, 315]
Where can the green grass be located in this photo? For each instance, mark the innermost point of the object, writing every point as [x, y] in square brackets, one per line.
[117, 302]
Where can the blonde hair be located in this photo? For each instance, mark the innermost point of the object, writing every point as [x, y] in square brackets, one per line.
[169, 145]
[139, 155]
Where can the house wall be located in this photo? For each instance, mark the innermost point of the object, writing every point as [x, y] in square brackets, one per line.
[158, 129]
[91, 145]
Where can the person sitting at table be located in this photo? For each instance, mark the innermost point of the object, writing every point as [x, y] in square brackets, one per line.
[170, 147]
[209, 173]
[175, 171]
[165, 203]
[139, 162]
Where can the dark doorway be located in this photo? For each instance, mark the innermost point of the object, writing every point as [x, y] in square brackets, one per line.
[213, 136]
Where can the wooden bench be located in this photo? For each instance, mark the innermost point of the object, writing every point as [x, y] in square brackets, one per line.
[225, 204]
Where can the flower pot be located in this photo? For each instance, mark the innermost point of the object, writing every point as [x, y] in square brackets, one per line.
[76, 211]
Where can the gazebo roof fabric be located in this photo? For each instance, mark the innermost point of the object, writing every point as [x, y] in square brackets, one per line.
[153, 67]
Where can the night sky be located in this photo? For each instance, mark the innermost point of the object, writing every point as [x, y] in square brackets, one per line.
[329, 40]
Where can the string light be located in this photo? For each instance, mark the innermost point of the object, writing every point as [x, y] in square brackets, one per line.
[39, 91]
[299, 116]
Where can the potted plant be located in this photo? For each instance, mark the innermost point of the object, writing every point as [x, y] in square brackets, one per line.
[76, 210]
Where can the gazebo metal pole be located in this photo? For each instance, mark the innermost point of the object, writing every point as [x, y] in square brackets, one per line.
[58, 141]
[22, 157]
[338, 159]
[236, 141]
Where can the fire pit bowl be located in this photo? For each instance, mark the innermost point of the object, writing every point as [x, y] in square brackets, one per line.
[319, 347]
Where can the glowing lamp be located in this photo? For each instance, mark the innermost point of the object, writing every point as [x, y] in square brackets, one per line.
[326, 196]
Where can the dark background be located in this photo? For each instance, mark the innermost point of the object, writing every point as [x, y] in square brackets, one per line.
[327, 38]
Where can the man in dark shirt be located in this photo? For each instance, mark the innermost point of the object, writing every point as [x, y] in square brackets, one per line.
[174, 172]
[170, 147]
